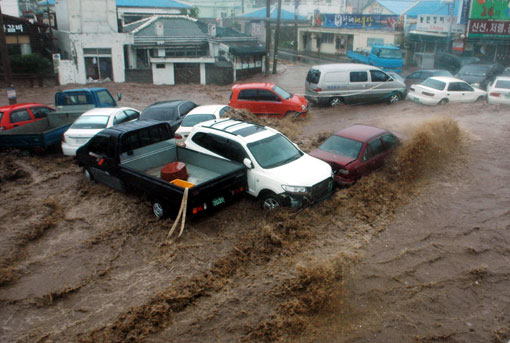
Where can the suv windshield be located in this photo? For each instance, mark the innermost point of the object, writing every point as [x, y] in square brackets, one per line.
[274, 151]
[433, 83]
[282, 92]
[342, 146]
[474, 70]
[91, 122]
[390, 53]
[194, 119]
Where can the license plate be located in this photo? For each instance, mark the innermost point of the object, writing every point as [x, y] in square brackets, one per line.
[218, 201]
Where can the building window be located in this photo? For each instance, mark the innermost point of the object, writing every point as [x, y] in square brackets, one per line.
[375, 41]
[327, 38]
[98, 63]
[160, 66]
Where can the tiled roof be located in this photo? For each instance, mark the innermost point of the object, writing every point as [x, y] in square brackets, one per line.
[173, 26]
[137, 3]
[396, 7]
[152, 3]
[261, 14]
[428, 7]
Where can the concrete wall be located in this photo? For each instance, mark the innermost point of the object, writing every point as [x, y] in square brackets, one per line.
[10, 7]
[67, 72]
[80, 16]
[163, 76]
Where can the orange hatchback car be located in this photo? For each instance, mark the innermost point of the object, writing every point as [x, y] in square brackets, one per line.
[267, 99]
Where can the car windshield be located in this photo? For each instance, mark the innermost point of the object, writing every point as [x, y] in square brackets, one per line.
[194, 119]
[499, 84]
[395, 76]
[442, 73]
[281, 92]
[274, 151]
[90, 122]
[433, 83]
[474, 70]
[342, 146]
[390, 53]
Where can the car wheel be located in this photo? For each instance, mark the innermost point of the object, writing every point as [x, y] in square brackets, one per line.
[443, 101]
[394, 98]
[333, 102]
[481, 98]
[158, 209]
[270, 201]
[290, 114]
[88, 174]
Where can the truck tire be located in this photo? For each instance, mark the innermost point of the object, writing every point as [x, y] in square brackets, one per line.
[269, 201]
[88, 174]
[158, 209]
[335, 101]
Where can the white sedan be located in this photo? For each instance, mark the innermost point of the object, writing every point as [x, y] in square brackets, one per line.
[93, 121]
[197, 115]
[499, 91]
[443, 89]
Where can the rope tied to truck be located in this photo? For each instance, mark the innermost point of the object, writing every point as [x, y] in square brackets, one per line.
[182, 213]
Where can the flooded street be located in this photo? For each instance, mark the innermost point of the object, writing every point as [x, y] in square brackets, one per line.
[419, 259]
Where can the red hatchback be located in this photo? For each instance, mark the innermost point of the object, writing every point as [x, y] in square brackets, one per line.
[267, 99]
[356, 151]
[20, 114]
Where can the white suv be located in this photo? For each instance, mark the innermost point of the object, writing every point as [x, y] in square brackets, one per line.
[279, 173]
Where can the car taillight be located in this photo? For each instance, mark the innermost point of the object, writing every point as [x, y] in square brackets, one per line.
[317, 89]
[177, 136]
[427, 94]
[200, 208]
[495, 94]
[63, 138]
[237, 190]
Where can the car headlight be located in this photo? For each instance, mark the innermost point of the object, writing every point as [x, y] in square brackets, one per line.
[295, 189]
[343, 171]
[303, 107]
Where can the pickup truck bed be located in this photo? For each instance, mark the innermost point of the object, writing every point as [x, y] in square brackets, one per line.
[39, 134]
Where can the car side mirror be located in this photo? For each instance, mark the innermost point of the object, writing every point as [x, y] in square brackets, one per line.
[119, 96]
[247, 163]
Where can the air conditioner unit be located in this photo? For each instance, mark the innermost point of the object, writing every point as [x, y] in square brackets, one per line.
[211, 30]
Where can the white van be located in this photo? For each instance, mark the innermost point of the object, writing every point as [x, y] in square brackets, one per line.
[279, 173]
[333, 84]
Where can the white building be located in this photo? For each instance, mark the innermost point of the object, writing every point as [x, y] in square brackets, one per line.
[89, 41]
[10, 7]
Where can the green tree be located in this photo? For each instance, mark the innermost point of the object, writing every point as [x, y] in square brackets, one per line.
[194, 12]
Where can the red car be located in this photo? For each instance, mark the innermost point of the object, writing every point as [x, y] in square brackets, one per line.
[267, 99]
[20, 114]
[356, 151]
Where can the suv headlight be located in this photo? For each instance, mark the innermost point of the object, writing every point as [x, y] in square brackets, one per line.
[343, 171]
[295, 189]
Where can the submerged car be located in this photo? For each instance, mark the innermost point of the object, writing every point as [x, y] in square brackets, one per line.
[93, 121]
[20, 114]
[479, 74]
[171, 111]
[268, 99]
[421, 75]
[440, 90]
[498, 92]
[356, 151]
[198, 115]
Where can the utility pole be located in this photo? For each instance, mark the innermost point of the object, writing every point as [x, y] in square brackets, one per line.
[277, 36]
[268, 36]
[4, 51]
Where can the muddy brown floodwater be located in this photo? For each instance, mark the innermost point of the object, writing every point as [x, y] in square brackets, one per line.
[417, 252]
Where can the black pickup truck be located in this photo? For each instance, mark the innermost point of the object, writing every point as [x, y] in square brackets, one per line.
[130, 157]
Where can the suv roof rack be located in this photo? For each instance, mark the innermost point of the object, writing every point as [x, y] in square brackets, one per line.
[235, 122]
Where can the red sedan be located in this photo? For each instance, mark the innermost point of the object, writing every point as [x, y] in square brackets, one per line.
[20, 114]
[356, 151]
[267, 99]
